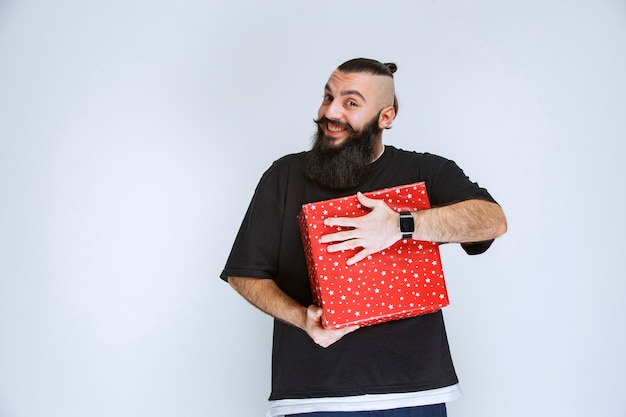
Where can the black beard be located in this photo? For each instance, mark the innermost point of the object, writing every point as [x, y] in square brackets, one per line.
[346, 165]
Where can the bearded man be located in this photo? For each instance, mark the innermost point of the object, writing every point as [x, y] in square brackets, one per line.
[399, 368]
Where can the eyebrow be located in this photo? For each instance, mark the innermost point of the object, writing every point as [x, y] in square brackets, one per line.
[347, 92]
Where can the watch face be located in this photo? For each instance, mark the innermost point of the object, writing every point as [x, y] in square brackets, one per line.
[406, 223]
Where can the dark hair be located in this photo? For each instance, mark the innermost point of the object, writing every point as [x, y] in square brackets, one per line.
[370, 66]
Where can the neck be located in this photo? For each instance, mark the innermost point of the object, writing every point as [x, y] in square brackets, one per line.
[378, 151]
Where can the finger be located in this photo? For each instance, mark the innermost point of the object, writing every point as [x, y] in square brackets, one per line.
[346, 245]
[341, 221]
[315, 312]
[347, 329]
[332, 336]
[366, 201]
[338, 237]
[350, 329]
[358, 257]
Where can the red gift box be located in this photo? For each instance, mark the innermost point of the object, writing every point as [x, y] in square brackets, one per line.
[401, 281]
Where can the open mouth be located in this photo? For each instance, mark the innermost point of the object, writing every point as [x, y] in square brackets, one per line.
[335, 128]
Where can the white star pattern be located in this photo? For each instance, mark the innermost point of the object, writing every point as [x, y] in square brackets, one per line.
[360, 297]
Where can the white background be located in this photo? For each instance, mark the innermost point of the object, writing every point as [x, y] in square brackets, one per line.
[133, 133]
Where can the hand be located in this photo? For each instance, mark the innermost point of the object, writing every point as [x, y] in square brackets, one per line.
[373, 232]
[320, 335]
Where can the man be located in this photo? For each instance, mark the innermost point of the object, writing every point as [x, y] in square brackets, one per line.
[402, 367]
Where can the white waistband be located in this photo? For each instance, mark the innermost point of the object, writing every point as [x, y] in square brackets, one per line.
[368, 402]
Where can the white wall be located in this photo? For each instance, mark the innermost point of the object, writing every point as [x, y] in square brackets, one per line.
[132, 134]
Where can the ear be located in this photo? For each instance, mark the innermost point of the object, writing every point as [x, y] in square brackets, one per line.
[385, 117]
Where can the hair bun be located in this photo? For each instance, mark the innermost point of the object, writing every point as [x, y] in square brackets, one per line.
[391, 67]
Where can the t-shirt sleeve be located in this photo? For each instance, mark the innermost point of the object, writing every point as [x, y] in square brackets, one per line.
[254, 253]
[450, 186]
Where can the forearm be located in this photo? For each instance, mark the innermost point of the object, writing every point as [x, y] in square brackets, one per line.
[265, 295]
[463, 222]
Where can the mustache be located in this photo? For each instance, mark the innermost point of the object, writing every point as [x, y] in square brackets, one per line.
[319, 122]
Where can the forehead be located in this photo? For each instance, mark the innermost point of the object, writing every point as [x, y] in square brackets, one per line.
[364, 84]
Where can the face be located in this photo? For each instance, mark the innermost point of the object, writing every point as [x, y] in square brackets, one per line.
[350, 102]
[355, 109]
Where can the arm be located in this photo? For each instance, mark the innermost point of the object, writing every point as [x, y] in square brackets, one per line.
[463, 222]
[265, 295]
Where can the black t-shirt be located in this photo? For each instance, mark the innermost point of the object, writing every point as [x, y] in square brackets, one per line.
[399, 356]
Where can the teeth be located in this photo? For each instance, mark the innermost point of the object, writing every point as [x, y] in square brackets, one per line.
[335, 128]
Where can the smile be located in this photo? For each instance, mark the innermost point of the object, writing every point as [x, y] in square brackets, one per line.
[335, 128]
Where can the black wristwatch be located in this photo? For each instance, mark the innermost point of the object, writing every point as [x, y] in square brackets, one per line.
[407, 225]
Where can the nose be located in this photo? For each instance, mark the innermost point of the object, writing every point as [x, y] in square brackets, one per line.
[333, 111]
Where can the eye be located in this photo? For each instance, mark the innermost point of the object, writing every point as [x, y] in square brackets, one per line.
[351, 103]
[327, 98]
